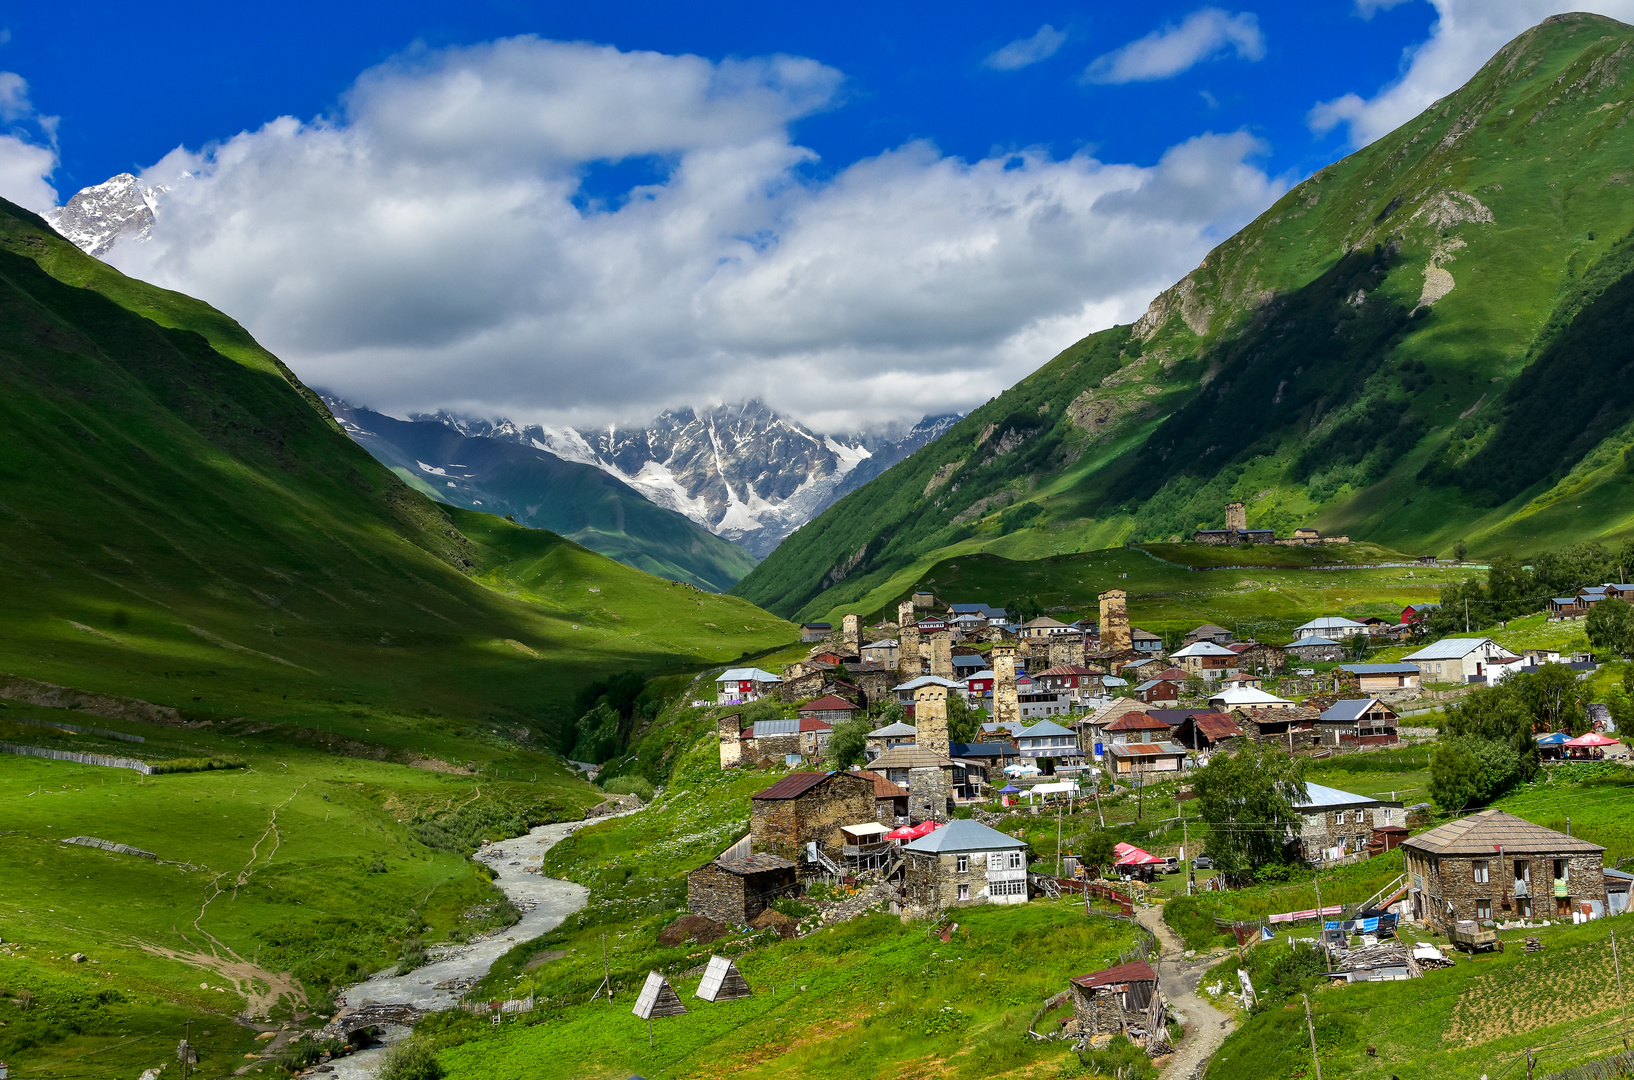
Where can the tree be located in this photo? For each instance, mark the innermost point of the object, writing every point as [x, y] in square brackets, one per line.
[963, 722]
[1096, 849]
[1460, 601]
[1248, 798]
[1024, 609]
[890, 713]
[1357, 646]
[1453, 775]
[1459, 550]
[848, 744]
[1610, 626]
[1551, 697]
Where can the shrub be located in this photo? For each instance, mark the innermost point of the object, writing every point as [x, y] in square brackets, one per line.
[638, 786]
[1120, 1057]
[413, 1059]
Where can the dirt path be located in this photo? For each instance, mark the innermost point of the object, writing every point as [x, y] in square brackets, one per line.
[1206, 1026]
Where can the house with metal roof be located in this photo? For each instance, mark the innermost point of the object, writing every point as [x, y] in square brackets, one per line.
[1374, 678]
[799, 817]
[1138, 726]
[1316, 649]
[1121, 1000]
[1126, 759]
[1210, 632]
[882, 739]
[964, 863]
[1202, 729]
[1047, 739]
[1247, 697]
[927, 775]
[1458, 659]
[1330, 626]
[740, 685]
[1205, 659]
[1341, 823]
[1357, 722]
[1492, 865]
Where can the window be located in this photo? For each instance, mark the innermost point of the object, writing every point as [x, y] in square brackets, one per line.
[1015, 860]
[1483, 909]
[964, 892]
[1523, 908]
[1560, 870]
[995, 860]
[1339, 818]
[963, 866]
[1479, 869]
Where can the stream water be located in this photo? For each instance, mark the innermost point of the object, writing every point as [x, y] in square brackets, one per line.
[544, 902]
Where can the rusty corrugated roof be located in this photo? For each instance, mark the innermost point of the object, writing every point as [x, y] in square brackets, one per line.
[1135, 971]
[792, 786]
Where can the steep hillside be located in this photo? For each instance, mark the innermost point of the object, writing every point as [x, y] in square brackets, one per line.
[1425, 342]
[539, 489]
[180, 521]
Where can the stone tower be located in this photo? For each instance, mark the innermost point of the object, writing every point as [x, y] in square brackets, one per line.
[731, 735]
[850, 631]
[1114, 620]
[1067, 649]
[1006, 707]
[1236, 516]
[939, 647]
[930, 719]
[907, 636]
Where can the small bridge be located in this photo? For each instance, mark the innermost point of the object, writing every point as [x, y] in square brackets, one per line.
[351, 1021]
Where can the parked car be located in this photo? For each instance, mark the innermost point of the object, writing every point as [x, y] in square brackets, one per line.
[1202, 862]
[1171, 865]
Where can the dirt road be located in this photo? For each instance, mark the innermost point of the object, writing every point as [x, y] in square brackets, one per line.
[1206, 1026]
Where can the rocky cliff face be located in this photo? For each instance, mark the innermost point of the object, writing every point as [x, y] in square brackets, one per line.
[741, 471]
[98, 217]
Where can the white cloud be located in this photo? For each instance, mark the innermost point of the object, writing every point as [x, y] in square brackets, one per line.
[1465, 35]
[425, 248]
[1205, 34]
[26, 165]
[1027, 51]
[1369, 8]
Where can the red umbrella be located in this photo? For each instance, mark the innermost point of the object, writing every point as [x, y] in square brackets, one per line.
[1593, 738]
[913, 832]
[1130, 855]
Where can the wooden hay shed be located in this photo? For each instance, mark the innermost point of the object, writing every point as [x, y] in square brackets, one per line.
[658, 998]
[722, 981]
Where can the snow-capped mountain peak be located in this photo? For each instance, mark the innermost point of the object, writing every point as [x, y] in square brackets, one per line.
[100, 216]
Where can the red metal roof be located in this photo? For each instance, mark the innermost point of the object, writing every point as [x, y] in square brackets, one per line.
[827, 703]
[883, 788]
[1137, 721]
[1136, 971]
[1216, 725]
[792, 786]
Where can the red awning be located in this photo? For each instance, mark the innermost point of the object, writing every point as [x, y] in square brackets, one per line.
[1593, 738]
[913, 832]
[1130, 855]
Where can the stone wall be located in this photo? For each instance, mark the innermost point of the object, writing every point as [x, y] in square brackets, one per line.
[1451, 878]
[907, 656]
[1067, 649]
[930, 793]
[939, 648]
[731, 740]
[1006, 707]
[1100, 1011]
[784, 826]
[1236, 516]
[850, 633]
[1114, 620]
[718, 894]
[931, 881]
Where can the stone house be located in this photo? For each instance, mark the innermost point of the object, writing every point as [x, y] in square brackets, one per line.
[1330, 626]
[1203, 730]
[882, 739]
[1492, 865]
[1458, 660]
[1357, 722]
[830, 709]
[815, 631]
[1260, 657]
[1338, 823]
[1316, 650]
[873, 679]
[926, 774]
[1112, 1001]
[1205, 660]
[883, 651]
[890, 800]
[1210, 632]
[734, 891]
[772, 742]
[1135, 726]
[808, 808]
[805, 679]
[1292, 729]
[964, 863]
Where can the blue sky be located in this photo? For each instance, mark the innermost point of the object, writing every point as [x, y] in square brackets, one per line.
[587, 213]
[131, 83]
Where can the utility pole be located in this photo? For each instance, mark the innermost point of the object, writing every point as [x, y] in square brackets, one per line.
[1186, 848]
[1327, 957]
[1466, 614]
[1312, 1029]
[1098, 815]
[1057, 839]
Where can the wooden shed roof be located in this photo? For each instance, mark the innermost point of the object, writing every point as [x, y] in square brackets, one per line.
[1134, 971]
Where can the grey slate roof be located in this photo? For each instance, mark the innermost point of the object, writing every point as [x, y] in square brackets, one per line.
[1317, 796]
[964, 834]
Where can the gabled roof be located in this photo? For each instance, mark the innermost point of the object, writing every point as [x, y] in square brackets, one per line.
[827, 703]
[1135, 720]
[1135, 971]
[1329, 622]
[757, 863]
[746, 674]
[1208, 629]
[910, 757]
[1380, 669]
[985, 673]
[980, 749]
[1045, 727]
[1172, 674]
[1451, 648]
[1318, 796]
[964, 834]
[883, 643]
[1202, 648]
[890, 730]
[817, 626]
[883, 788]
[1137, 634]
[772, 727]
[793, 785]
[1349, 710]
[928, 680]
[1248, 696]
[1216, 726]
[1069, 669]
[1043, 622]
[1300, 643]
[1485, 832]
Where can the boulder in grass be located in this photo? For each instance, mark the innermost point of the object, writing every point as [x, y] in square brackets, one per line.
[694, 928]
[775, 920]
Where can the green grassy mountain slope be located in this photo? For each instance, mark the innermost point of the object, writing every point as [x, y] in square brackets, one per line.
[539, 489]
[1421, 343]
[180, 521]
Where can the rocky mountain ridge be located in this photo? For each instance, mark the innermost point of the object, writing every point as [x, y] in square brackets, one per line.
[100, 216]
[742, 471]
